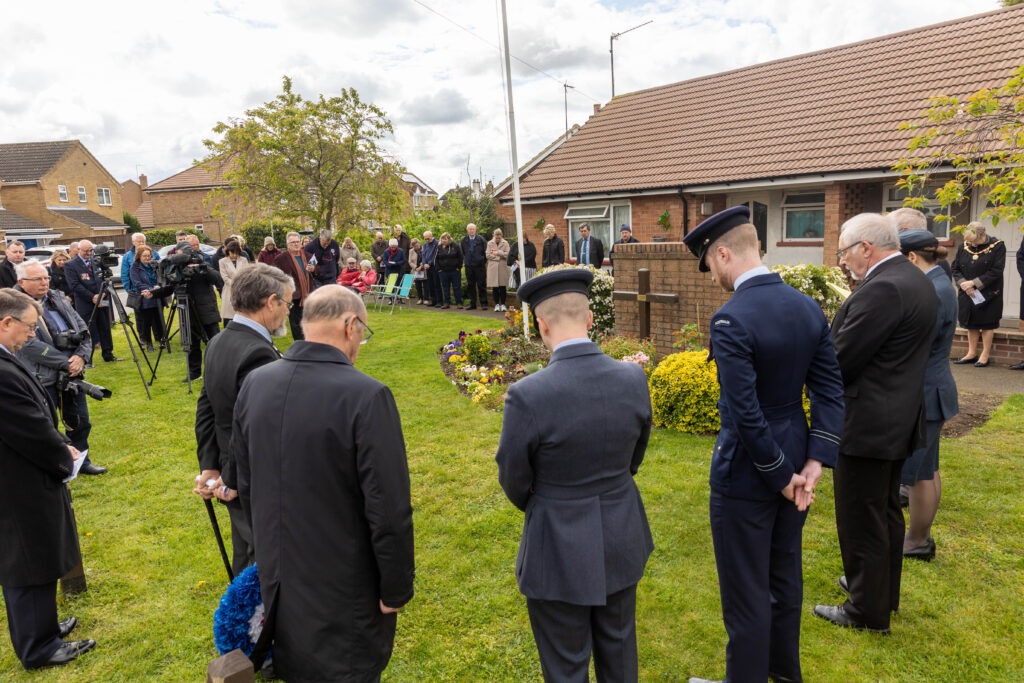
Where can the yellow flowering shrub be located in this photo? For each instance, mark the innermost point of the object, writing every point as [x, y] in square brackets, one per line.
[684, 393]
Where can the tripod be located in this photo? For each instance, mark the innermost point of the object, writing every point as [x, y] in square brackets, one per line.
[183, 309]
[107, 291]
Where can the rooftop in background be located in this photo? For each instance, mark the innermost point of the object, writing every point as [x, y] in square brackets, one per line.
[194, 178]
[27, 162]
[836, 110]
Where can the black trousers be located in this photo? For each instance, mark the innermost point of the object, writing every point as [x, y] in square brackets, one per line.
[195, 353]
[74, 415]
[760, 578]
[295, 321]
[566, 634]
[870, 525]
[242, 553]
[99, 330]
[434, 286]
[476, 283]
[32, 621]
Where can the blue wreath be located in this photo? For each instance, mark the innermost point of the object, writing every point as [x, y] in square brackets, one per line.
[231, 620]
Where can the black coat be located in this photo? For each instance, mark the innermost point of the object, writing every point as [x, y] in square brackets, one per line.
[552, 252]
[58, 280]
[983, 264]
[8, 276]
[596, 251]
[883, 334]
[37, 531]
[230, 357]
[585, 533]
[531, 254]
[84, 284]
[323, 475]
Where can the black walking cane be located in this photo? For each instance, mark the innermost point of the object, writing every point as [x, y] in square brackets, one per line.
[220, 539]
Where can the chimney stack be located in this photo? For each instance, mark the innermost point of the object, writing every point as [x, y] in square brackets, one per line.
[143, 181]
[597, 108]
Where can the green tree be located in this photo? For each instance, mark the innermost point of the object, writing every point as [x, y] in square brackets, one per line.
[1011, 3]
[319, 161]
[457, 208]
[130, 220]
[980, 140]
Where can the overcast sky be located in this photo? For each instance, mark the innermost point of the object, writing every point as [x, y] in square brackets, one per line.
[142, 84]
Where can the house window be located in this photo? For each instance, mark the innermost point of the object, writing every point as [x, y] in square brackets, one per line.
[803, 216]
[894, 197]
[62, 192]
[82, 197]
[103, 194]
[603, 220]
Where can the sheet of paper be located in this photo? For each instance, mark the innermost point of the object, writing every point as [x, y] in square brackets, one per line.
[978, 298]
[77, 465]
[313, 261]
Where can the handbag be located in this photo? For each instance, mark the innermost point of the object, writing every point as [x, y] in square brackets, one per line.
[134, 300]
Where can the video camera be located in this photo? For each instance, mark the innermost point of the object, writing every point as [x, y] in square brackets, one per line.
[76, 385]
[68, 340]
[182, 264]
[103, 259]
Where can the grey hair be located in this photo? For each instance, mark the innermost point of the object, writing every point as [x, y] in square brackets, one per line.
[253, 284]
[906, 218]
[292, 234]
[325, 232]
[138, 234]
[14, 303]
[392, 242]
[872, 228]
[497, 233]
[549, 230]
[22, 268]
[365, 262]
[330, 302]
[975, 229]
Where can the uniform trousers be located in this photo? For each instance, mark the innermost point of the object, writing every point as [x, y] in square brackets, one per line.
[32, 621]
[760, 578]
[566, 634]
[870, 525]
[476, 283]
[242, 553]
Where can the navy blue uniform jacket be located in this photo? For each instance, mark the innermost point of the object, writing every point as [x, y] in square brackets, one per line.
[574, 435]
[769, 341]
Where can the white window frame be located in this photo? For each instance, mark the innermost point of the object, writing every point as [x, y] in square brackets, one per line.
[601, 218]
[892, 199]
[802, 206]
[83, 197]
[103, 196]
[62, 193]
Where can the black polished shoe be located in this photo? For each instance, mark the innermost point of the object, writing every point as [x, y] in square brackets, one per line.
[112, 359]
[982, 364]
[67, 652]
[92, 469]
[837, 615]
[67, 626]
[924, 552]
[783, 679]
[694, 679]
[966, 361]
[149, 348]
[1017, 366]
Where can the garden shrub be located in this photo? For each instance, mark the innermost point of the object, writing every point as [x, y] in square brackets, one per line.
[600, 295]
[814, 281]
[631, 349]
[478, 349]
[684, 393]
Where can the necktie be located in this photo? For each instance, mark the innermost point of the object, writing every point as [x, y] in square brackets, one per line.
[586, 252]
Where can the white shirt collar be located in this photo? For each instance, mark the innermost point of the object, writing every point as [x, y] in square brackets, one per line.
[753, 272]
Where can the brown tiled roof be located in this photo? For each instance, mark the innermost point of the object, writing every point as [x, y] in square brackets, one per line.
[29, 161]
[10, 221]
[837, 110]
[145, 215]
[89, 218]
[197, 177]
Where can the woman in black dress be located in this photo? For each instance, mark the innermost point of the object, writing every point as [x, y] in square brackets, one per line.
[978, 273]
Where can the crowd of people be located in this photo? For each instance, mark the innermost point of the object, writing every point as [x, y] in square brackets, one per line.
[326, 513]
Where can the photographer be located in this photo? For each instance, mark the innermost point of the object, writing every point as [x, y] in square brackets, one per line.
[58, 353]
[186, 268]
[85, 278]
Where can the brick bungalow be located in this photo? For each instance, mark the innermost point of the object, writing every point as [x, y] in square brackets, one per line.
[806, 142]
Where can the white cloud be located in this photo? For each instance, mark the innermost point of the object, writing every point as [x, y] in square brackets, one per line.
[143, 88]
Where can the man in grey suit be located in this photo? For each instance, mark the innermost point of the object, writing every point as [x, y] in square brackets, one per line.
[585, 538]
[882, 336]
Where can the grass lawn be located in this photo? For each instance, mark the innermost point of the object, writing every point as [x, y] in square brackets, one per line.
[155, 575]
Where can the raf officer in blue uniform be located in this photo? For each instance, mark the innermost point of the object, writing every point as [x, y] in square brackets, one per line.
[769, 342]
[585, 536]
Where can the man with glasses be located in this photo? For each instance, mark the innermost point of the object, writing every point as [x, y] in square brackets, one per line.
[293, 262]
[882, 335]
[87, 290]
[322, 470]
[62, 345]
[261, 296]
[37, 529]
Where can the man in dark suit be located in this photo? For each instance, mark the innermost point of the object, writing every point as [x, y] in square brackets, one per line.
[260, 296]
[882, 335]
[204, 313]
[474, 257]
[37, 530]
[87, 291]
[51, 352]
[14, 255]
[322, 470]
[585, 538]
[589, 249]
[769, 342]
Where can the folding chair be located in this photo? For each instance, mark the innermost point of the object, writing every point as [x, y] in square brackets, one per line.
[401, 295]
[388, 290]
[374, 292]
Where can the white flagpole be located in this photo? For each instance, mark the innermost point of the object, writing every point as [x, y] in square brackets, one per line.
[515, 165]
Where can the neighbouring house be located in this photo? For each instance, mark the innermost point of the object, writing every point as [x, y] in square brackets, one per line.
[136, 202]
[421, 196]
[183, 201]
[57, 191]
[806, 142]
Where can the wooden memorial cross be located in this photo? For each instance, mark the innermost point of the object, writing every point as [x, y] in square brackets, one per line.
[645, 298]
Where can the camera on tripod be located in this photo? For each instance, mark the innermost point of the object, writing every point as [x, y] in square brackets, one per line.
[76, 385]
[178, 267]
[68, 340]
[103, 259]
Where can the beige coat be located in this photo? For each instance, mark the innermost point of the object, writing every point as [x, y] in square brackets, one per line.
[228, 270]
[497, 263]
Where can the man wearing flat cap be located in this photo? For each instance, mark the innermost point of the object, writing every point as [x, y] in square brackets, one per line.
[769, 342]
[585, 538]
